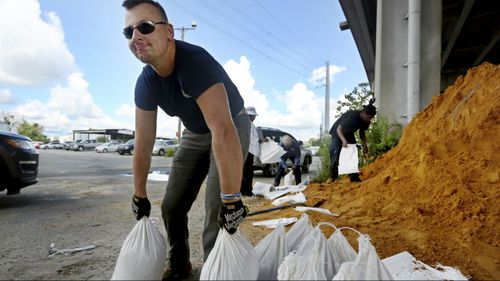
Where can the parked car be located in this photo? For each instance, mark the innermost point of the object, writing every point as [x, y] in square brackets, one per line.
[85, 145]
[18, 162]
[271, 169]
[107, 147]
[162, 146]
[314, 150]
[52, 145]
[127, 147]
[67, 145]
[37, 144]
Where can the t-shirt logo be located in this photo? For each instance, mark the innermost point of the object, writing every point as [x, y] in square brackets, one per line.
[185, 94]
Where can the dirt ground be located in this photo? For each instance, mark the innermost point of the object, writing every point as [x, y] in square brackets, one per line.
[72, 213]
[437, 193]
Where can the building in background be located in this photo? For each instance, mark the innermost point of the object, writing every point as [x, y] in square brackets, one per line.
[413, 50]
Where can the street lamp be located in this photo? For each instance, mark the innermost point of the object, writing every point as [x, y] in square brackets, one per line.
[183, 31]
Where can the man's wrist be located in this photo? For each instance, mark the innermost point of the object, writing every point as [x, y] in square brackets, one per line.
[140, 195]
[230, 197]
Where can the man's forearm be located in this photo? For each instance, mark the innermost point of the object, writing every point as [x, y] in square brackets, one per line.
[229, 159]
[141, 165]
[340, 133]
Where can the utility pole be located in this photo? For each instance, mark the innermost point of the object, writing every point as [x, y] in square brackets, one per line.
[183, 31]
[326, 126]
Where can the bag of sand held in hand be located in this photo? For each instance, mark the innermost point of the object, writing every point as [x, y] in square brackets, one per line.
[348, 160]
[232, 258]
[143, 253]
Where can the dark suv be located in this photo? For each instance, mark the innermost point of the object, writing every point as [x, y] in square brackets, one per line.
[271, 169]
[127, 147]
[18, 162]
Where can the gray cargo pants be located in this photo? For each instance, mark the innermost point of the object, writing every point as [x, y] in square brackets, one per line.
[193, 162]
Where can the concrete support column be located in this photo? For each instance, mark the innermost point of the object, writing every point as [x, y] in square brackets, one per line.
[413, 90]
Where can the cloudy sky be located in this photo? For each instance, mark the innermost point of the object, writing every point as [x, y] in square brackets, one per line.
[66, 65]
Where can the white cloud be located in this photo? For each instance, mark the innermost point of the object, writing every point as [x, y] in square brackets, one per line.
[6, 96]
[126, 110]
[319, 74]
[68, 108]
[242, 77]
[166, 125]
[40, 58]
[302, 116]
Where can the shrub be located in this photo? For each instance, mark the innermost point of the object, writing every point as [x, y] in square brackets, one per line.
[381, 137]
[170, 152]
[324, 155]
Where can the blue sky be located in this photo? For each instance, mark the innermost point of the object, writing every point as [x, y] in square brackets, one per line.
[66, 64]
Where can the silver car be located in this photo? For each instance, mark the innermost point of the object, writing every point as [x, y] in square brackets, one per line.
[162, 146]
[107, 147]
[271, 169]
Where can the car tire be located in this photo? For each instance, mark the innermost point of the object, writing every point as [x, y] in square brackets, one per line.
[161, 152]
[105, 150]
[270, 170]
[131, 152]
[80, 148]
[121, 153]
[307, 163]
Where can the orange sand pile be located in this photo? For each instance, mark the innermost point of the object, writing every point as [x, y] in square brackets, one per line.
[436, 194]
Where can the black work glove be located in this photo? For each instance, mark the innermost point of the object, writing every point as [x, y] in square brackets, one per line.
[141, 207]
[231, 215]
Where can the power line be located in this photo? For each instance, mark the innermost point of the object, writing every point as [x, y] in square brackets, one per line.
[263, 28]
[235, 38]
[249, 31]
[284, 26]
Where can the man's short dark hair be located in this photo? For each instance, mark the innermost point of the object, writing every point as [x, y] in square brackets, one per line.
[129, 4]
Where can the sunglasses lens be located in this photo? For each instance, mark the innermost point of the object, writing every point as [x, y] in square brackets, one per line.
[127, 31]
[146, 27]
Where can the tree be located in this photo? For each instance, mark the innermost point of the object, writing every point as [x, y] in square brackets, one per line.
[33, 131]
[314, 142]
[355, 99]
[102, 139]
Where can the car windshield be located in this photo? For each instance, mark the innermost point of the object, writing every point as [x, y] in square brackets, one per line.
[130, 142]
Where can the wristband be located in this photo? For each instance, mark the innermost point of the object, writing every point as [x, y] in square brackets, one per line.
[234, 196]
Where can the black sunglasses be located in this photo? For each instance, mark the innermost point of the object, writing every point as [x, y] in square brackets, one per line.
[144, 27]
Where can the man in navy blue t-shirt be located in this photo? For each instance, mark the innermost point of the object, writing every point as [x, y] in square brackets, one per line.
[184, 80]
[342, 133]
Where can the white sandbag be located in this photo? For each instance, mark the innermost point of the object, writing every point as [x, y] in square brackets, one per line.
[366, 266]
[270, 152]
[304, 263]
[289, 178]
[232, 258]
[348, 160]
[282, 190]
[143, 253]
[273, 223]
[342, 250]
[326, 253]
[260, 188]
[297, 232]
[404, 266]
[304, 209]
[296, 198]
[271, 251]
